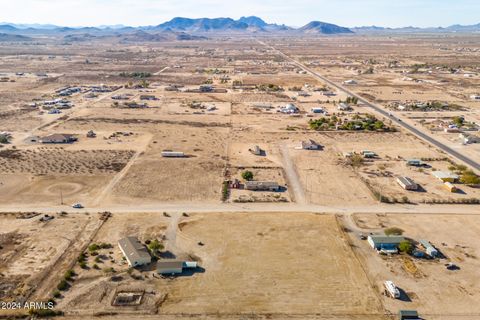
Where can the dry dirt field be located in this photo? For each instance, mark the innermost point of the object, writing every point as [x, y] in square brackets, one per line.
[276, 252]
[255, 265]
[435, 291]
[31, 249]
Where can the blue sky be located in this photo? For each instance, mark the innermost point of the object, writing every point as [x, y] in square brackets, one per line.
[392, 13]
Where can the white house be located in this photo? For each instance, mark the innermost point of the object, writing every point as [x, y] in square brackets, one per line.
[134, 251]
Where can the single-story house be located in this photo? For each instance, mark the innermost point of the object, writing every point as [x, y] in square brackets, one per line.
[407, 183]
[350, 82]
[408, 315]
[431, 250]
[445, 176]
[262, 186]
[58, 138]
[368, 154]
[310, 145]
[344, 107]
[147, 97]
[383, 243]
[414, 162]
[134, 251]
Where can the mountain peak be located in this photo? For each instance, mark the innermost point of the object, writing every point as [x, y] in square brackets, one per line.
[323, 28]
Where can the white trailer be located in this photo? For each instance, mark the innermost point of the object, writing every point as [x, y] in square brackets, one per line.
[392, 289]
[172, 154]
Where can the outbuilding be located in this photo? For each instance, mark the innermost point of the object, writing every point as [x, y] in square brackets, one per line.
[385, 244]
[429, 249]
[407, 183]
[310, 145]
[169, 267]
[134, 251]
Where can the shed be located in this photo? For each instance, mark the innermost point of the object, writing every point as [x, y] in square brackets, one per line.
[408, 315]
[134, 251]
[386, 244]
[310, 145]
[407, 183]
[431, 250]
[169, 267]
[450, 187]
[257, 151]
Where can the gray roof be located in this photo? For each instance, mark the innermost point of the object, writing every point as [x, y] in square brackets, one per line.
[426, 244]
[407, 181]
[167, 265]
[265, 184]
[387, 239]
[133, 249]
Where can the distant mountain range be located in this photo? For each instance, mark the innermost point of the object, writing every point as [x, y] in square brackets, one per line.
[454, 28]
[196, 29]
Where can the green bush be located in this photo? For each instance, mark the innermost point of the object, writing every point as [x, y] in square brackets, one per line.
[63, 285]
[405, 246]
[247, 175]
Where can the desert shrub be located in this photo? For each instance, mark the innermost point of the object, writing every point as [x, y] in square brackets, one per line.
[393, 231]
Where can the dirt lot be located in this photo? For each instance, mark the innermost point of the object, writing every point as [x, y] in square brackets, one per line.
[308, 249]
[31, 248]
[436, 292]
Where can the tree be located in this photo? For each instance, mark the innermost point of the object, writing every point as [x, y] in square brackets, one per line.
[3, 139]
[247, 175]
[155, 245]
[469, 177]
[356, 160]
[405, 246]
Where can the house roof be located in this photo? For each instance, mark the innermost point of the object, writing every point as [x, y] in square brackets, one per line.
[133, 249]
[406, 181]
[58, 137]
[445, 175]
[386, 239]
[261, 183]
[309, 143]
[167, 265]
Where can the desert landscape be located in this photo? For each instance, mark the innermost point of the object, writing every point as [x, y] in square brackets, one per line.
[172, 173]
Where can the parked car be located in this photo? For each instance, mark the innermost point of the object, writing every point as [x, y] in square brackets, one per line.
[77, 206]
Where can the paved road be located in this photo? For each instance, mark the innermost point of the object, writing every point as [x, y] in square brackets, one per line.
[200, 207]
[381, 110]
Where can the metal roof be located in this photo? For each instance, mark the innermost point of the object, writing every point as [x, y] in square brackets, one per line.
[168, 265]
[386, 239]
[133, 249]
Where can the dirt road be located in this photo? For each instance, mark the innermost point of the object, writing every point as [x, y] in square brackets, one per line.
[292, 177]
